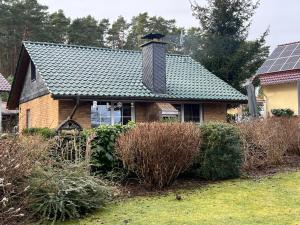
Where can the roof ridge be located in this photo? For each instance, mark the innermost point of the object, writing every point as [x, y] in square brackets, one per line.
[290, 43]
[93, 47]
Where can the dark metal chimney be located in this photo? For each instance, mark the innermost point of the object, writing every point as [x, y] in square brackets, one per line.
[154, 63]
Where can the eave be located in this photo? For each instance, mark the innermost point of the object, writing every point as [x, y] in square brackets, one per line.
[146, 99]
[17, 85]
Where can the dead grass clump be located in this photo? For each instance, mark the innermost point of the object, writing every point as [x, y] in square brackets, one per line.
[159, 152]
[265, 142]
[18, 157]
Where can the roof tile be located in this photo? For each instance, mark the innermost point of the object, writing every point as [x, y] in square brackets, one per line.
[101, 72]
[4, 85]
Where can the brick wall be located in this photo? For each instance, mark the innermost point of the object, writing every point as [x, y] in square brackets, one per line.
[43, 112]
[214, 112]
[146, 112]
[81, 116]
[47, 112]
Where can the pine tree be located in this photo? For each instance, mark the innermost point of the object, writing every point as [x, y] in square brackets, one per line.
[117, 34]
[225, 50]
[84, 31]
[57, 27]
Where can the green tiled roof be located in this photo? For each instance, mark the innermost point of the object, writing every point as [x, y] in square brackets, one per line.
[88, 71]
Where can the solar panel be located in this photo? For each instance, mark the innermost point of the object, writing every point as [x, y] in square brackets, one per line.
[290, 63]
[297, 65]
[297, 51]
[276, 53]
[277, 65]
[266, 66]
[284, 57]
[289, 50]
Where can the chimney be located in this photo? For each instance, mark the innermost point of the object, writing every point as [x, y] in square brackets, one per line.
[154, 63]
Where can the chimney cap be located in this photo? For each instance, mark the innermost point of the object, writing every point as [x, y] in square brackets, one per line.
[153, 36]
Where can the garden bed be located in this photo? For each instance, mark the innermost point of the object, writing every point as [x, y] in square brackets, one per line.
[131, 188]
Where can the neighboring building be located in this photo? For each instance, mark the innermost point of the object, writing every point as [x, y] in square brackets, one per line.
[280, 77]
[242, 110]
[93, 86]
[9, 119]
[4, 87]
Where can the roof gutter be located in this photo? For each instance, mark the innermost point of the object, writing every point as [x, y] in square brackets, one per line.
[146, 99]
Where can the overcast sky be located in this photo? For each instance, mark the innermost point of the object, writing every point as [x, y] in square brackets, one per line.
[282, 16]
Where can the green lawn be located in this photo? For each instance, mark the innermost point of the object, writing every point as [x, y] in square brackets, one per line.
[273, 200]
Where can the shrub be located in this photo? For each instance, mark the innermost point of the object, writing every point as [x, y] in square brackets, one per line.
[220, 155]
[66, 192]
[44, 132]
[18, 157]
[158, 152]
[282, 112]
[103, 157]
[68, 147]
[266, 142]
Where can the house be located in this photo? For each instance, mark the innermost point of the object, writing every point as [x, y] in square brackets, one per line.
[56, 83]
[9, 119]
[242, 111]
[280, 77]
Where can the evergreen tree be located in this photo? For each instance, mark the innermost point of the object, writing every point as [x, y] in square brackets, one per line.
[225, 50]
[103, 32]
[144, 24]
[19, 20]
[139, 27]
[84, 31]
[58, 25]
[117, 34]
[192, 42]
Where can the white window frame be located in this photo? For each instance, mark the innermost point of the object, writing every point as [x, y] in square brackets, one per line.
[112, 111]
[200, 113]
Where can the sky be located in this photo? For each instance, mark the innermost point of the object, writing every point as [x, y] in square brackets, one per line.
[282, 17]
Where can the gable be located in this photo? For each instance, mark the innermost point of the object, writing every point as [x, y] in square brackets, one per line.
[32, 88]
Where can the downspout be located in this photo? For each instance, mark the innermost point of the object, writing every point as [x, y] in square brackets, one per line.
[75, 108]
[298, 90]
[266, 105]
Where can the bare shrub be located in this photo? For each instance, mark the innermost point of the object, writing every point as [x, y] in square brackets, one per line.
[292, 128]
[266, 142]
[68, 147]
[17, 159]
[159, 152]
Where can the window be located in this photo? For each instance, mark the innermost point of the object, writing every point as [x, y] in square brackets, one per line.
[189, 112]
[33, 71]
[28, 119]
[122, 114]
[107, 113]
[192, 113]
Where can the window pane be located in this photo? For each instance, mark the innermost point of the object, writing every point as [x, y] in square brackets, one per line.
[192, 113]
[126, 120]
[101, 114]
[126, 113]
[33, 71]
[126, 110]
[104, 114]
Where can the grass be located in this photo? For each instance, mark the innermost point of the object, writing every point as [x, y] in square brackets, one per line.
[272, 200]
